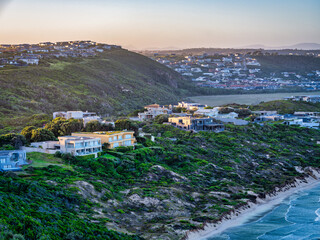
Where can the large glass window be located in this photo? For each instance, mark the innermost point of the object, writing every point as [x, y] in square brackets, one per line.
[128, 136]
[116, 145]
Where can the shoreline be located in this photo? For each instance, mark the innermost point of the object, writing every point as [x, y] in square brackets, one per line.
[262, 205]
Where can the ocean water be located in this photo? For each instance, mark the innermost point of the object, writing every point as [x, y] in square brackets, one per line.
[297, 217]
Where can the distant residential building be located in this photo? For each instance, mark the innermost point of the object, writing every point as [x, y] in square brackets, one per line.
[268, 118]
[303, 123]
[312, 98]
[113, 138]
[152, 111]
[30, 60]
[265, 113]
[196, 124]
[215, 113]
[191, 106]
[12, 160]
[85, 116]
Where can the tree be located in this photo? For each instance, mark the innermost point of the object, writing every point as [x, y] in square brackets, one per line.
[61, 126]
[122, 124]
[93, 126]
[225, 110]
[55, 125]
[15, 140]
[41, 135]
[208, 107]
[243, 112]
[70, 126]
[161, 118]
[27, 132]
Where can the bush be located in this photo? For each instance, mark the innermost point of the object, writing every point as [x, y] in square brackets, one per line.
[41, 135]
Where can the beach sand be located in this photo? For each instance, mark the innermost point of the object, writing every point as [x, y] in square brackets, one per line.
[244, 214]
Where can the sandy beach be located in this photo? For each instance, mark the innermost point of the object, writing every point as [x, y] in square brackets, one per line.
[242, 215]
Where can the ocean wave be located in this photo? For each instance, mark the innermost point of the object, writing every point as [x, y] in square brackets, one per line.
[317, 212]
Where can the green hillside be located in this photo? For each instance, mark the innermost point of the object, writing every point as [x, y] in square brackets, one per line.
[114, 82]
[159, 190]
[287, 107]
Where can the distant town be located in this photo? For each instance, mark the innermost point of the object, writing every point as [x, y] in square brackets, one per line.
[236, 71]
[31, 54]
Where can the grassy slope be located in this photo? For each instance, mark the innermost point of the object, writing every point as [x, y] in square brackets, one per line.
[286, 63]
[114, 82]
[287, 107]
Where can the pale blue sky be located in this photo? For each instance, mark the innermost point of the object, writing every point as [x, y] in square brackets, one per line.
[143, 24]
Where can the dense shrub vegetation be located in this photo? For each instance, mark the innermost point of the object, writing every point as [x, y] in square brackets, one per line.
[182, 172]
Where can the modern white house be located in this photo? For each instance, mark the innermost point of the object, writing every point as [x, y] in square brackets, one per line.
[77, 146]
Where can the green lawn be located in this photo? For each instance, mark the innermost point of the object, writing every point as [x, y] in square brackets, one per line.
[108, 156]
[44, 160]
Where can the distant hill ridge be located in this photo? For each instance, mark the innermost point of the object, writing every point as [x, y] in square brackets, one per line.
[113, 82]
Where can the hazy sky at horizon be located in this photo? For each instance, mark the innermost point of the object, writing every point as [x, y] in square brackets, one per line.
[141, 24]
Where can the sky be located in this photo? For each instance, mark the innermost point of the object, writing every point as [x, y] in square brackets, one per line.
[162, 24]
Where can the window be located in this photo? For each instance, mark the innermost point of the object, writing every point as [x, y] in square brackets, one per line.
[127, 143]
[120, 137]
[128, 136]
[115, 138]
[116, 145]
[110, 139]
[70, 145]
[2, 160]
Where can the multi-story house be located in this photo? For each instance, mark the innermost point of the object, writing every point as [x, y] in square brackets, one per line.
[196, 124]
[112, 138]
[80, 145]
[77, 146]
[12, 160]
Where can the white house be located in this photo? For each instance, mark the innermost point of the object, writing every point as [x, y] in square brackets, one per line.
[74, 114]
[77, 146]
[152, 111]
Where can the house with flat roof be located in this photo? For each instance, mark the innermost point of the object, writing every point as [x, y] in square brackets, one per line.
[75, 145]
[112, 138]
[12, 160]
[196, 124]
[80, 145]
